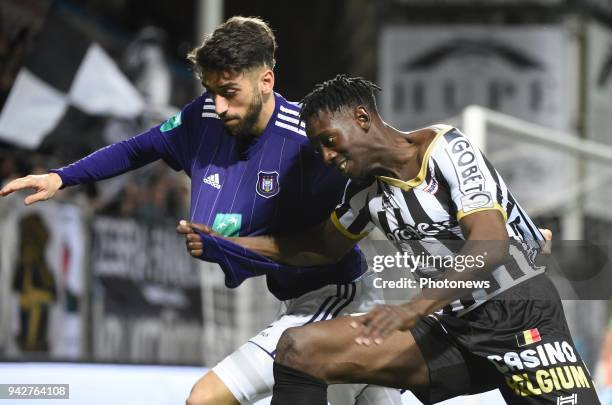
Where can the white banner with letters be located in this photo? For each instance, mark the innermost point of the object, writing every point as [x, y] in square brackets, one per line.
[147, 296]
[598, 120]
[430, 73]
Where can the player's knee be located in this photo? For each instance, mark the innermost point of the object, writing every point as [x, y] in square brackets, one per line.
[285, 348]
[294, 349]
[201, 394]
[201, 398]
[197, 398]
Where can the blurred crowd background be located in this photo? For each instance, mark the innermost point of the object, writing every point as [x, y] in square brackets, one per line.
[99, 274]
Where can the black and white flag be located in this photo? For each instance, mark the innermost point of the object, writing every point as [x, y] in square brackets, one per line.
[63, 76]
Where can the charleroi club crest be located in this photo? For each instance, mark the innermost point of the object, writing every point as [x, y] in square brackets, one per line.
[267, 184]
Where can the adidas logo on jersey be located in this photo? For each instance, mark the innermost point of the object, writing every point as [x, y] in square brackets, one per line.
[213, 180]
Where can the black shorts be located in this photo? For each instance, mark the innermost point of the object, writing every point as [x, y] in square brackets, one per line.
[518, 342]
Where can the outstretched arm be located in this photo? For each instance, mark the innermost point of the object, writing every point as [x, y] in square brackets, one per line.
[129, 154]
[104, 163]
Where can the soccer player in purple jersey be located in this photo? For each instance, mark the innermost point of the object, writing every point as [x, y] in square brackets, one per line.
[252, 172]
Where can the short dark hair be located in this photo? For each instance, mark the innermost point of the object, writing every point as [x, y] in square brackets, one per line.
[239, 44]
[340, 92]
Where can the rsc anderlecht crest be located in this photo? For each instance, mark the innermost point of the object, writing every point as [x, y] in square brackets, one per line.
[267, 184]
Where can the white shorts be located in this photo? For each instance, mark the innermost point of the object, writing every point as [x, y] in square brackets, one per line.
[247, 372]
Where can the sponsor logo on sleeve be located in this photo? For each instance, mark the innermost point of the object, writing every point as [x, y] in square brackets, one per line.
[471, 179]
[171, 123]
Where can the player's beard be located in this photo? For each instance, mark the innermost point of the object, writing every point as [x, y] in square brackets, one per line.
[246, 126]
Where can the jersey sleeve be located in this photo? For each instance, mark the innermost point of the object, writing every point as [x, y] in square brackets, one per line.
[352, 216]
[175, 139]
[472, 181]
[170, 141]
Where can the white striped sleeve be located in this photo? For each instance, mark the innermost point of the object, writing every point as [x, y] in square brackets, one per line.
[352, 217]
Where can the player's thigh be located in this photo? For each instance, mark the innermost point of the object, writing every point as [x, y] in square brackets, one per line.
[247, 372]
[209, 390]
[328, 350]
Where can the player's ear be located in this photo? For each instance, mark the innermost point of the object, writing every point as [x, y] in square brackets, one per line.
[362, 117]
[266, 81]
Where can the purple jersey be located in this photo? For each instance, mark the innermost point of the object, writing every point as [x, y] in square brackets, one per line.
[266, 185]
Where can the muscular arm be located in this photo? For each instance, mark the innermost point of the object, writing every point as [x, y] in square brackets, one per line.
[322, 244]
[486, 235]
[485, 232]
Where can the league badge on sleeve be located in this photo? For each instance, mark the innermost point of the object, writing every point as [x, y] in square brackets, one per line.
[267, 184]
[171, 123]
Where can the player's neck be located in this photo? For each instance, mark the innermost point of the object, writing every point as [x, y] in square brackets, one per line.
[401, 154]
[267, 109]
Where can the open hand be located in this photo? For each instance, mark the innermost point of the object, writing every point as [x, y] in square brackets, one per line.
[383, 320]
[46, 185]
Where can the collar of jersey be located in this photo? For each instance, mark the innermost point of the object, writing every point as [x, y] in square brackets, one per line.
[420, 177]
[261, 139]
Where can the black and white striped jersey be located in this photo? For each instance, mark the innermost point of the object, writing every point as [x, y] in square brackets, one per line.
[421, 216]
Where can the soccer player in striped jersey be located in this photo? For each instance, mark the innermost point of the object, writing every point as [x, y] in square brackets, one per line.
[424, 189]
[252, 172]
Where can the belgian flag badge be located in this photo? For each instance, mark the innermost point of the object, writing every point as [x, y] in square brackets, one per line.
[528, 337]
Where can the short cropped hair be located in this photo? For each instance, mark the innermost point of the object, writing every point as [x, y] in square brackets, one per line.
[338, 93]
[239, 44]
